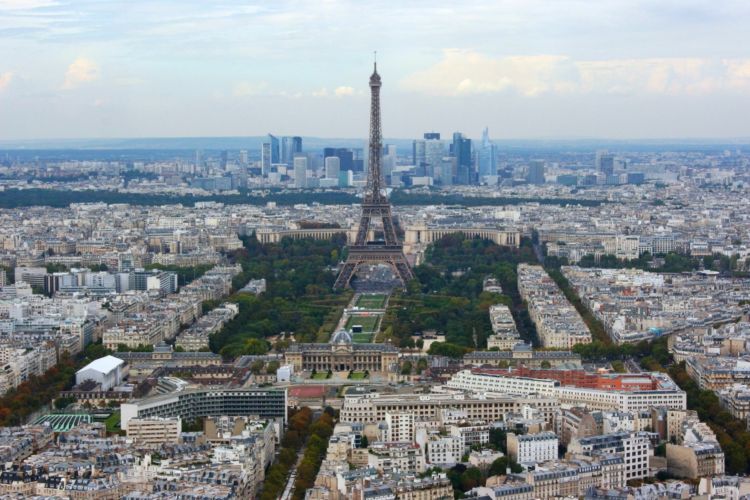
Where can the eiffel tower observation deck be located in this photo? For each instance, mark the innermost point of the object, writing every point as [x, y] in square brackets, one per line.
[375, 205]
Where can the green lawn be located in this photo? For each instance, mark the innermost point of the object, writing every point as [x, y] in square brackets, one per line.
[369, 323]
[362, 338]
[358, 376]
[113, 422]
[371, 301]
[320, 376]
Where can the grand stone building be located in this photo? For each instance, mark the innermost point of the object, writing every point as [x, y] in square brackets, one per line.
[342, 355]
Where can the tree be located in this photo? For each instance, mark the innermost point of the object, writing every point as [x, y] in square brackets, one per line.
[62, 403]
[406, 367]
[256, 347]
[471, 478]
[498, 439]
[364, 442]
[446, 349]
[500, 466]
[257, 366]
[272, 366]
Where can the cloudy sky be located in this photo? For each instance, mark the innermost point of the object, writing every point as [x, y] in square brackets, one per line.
[525, 68]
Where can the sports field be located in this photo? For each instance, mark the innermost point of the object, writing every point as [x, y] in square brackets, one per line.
[369, 323]
[362, 338]
[371, 301]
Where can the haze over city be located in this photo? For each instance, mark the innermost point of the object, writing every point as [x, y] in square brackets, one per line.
[526, 69]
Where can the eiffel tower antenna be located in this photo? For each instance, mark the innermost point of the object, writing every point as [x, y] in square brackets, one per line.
[375, 204]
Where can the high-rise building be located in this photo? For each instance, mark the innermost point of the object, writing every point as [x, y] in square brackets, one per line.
[461, 149]
[300, 172]
[244, 159]
[487, 161]
[434, 154]
[535, 174]
[389, 162]
[269, 153]
[333, 167]
[444, 172]
[605, 162]
[419, 155]
[290, 146]
[427, 154]
[345, 156]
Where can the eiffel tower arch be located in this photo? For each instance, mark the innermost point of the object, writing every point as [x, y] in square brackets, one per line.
[375, 206]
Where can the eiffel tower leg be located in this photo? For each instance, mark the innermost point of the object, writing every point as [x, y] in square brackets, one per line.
[345, 276]
[389, 231]
[402, 270]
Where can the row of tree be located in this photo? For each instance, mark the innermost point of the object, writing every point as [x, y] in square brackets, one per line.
[401, 197]
[14, 198]
[295, 436]
[315, 451]
[596, 327]
[302, 430]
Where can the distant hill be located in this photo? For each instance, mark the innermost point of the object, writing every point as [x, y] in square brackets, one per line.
[318, 143]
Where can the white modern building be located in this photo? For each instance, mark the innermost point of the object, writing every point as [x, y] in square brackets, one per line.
[284, 373]
[500, 384]
[106, 371]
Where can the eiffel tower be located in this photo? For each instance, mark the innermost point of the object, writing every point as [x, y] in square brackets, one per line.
[375, 205]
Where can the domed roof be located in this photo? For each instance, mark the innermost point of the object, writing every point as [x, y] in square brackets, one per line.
[341, 337]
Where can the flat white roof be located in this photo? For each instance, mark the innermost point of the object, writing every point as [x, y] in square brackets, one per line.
[103, 365]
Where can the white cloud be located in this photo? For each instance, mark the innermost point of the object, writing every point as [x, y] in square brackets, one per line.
[5, 79]
[467, 72]
[245, 89]
[25, 4]
[344, 91]
[80, 71]
[320, 92]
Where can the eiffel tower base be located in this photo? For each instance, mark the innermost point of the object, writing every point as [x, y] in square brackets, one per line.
[372, 256]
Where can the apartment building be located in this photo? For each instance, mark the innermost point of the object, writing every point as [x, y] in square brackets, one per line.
[372, 408]
[532, 448]
[635, 449]
[407, 458]
[154, 431]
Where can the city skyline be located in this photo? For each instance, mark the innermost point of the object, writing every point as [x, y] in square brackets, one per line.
[619, 70]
